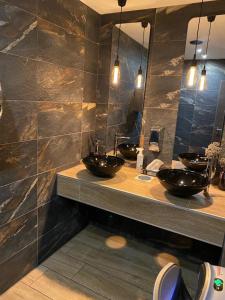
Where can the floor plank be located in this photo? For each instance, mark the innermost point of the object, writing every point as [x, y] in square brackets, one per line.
[58, 287]
[108, 286]
[21, 291]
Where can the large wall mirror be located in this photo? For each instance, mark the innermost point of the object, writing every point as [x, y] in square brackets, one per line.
[126, 98]
[201, 110]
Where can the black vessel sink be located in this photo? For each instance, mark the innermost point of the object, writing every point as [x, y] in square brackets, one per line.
[103, 165]
[129, 151]
[194, 161]
[183, 183]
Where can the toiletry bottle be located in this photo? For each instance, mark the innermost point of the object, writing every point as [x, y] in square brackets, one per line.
[140, 159]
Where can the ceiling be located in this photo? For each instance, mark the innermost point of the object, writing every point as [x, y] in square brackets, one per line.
[217, 38]
[111, 6]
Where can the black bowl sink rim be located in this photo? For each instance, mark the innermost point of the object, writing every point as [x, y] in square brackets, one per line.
[193, 158]
[185, 172]
[128, 146]
[93, 160]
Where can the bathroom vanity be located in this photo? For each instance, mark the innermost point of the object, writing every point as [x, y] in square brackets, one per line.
[197, 217]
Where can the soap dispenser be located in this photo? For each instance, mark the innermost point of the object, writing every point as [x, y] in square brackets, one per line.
[140, 159]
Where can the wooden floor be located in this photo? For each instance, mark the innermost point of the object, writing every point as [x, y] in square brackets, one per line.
[96, 264]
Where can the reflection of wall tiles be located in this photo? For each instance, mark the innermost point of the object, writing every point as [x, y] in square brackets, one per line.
[163, 92]
[17, 199]
[51, 151]
[18, 122]
[187, 96]
[116, 114]
[88, 117]
[70, 15]
[17, 266]
[58, 83]
[58, 118]
[167, 58]
[17, 161]
[17, 234]
[184, 123]
[58, 46]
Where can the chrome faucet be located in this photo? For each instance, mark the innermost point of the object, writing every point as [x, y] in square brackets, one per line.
[117, 137]
[97, 143]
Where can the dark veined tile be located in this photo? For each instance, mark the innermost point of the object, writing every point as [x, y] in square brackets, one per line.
[88, 118]
[54, 213]
[46, 187]
[88, 143]
[92, 25]
[60, 47]
[17, 266]
[31, 6]
[59, 118]
[90, 86]
[18, 78]
[19, 34]
[17, 199]
[18, 122]
[17, 234]
[71, 15]
[59, 84]
[17, 161]
[91, 57]
[57, 151]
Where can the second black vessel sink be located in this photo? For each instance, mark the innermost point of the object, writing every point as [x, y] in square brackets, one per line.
[183, 183]
[129, 151]
[103, 165]
[194, 161]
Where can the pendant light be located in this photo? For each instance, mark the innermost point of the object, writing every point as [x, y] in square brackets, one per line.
[202, 83]
[116, 67]
[140, 79]
[192, 73]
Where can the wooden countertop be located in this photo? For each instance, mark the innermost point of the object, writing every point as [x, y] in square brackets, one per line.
[125, 184]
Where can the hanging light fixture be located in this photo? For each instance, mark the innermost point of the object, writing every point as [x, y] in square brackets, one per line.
[116, 67]
[192, 73]
[140, 79]
[202, 83]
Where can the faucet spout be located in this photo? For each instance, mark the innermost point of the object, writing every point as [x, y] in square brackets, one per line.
[116, 139]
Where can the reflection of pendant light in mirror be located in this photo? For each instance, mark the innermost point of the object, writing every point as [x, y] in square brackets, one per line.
[192, 73]
[202, 83]
[140, 79]
[116, 67]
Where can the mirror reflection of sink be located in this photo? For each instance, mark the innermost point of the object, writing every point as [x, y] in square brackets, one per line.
[194, 161]
[182, 183]
[105, 166]
[129, 151]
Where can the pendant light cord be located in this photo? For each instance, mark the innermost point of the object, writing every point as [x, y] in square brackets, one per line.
[142, 50]
[207, 46]
[199, 21]
[118, 44]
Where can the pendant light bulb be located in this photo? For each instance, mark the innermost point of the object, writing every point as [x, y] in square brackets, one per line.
[202, 84]
[139, 84]
[192, 73]
[116, 72]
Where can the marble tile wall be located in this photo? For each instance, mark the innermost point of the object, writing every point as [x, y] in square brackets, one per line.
[48, 75]
[199, 112]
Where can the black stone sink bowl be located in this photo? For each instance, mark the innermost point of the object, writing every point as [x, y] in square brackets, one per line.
[129, 151]
[194, 161]
[182, 183]
[103, 165]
